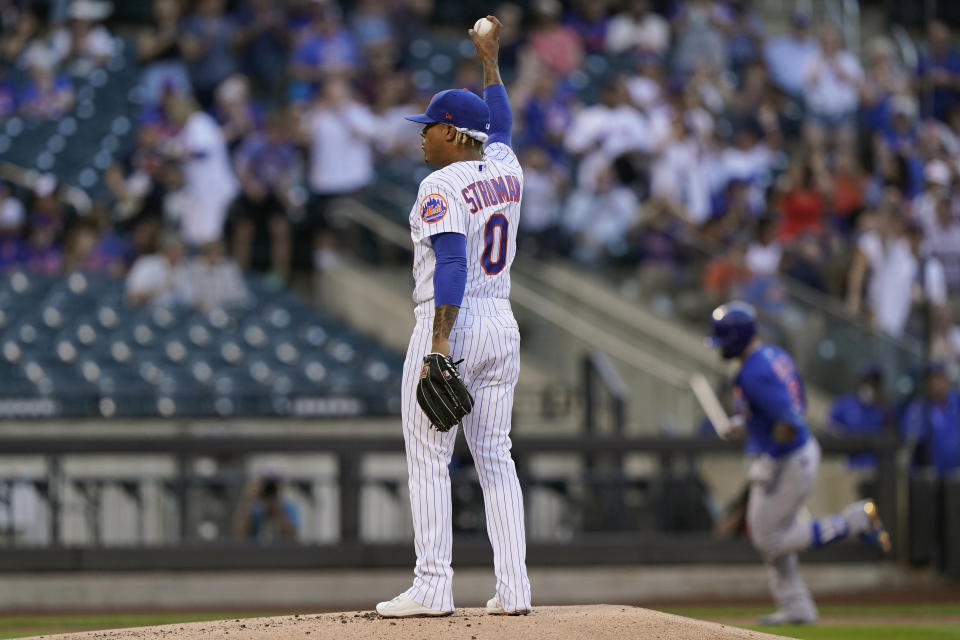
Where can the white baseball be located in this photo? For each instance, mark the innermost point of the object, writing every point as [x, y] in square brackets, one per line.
[482, 26]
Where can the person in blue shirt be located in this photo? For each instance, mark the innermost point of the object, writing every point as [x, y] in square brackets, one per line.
[264, 515]
[938, 72]
[931, 424]
[773, 404]
[862, 413]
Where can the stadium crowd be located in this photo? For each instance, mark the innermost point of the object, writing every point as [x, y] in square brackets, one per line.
[764, 153]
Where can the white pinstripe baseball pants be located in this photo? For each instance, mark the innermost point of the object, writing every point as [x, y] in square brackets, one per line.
[486, 337]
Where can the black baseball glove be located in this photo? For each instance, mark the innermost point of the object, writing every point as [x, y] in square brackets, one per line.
[441, 392]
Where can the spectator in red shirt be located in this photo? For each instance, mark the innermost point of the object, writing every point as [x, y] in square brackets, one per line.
[802, 202]
[556, 45]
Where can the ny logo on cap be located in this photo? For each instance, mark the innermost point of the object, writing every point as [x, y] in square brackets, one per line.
[448, 116]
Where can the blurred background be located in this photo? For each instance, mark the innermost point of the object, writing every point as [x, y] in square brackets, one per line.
[206, 288]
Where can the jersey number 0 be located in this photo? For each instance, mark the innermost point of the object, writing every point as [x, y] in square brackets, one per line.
[494, 257]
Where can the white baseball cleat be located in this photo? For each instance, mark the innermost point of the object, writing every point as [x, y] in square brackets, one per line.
[404, 607]
[494, 608]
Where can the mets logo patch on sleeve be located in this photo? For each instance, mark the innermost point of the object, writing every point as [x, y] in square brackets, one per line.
[433, 208]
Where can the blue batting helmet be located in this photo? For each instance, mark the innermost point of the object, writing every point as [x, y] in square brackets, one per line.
[734, 325]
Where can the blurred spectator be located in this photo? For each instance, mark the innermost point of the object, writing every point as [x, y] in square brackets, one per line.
[602, 132]
[845, 186]
[884, 79]
[637, 29]
[160, 277]
[158, 49]
[748, 160]
[745, 32]
[599, 218]
[47, 205]
[938, 72]
[543, 107]
[544, 184]
[42, 253]
[395, 99]
[91, 246]
[788, 56]
[698, 41]
[725, 275]
[589, 20]
[12, 218]
[942, 237]
[681, 173]
[340, 132]
[371, 24]
[326, 48]
[237, 115]
[264, 515]
[862, 413]
[212, 280]
[805, 262]
[832, 90]
[267, 164]
[764, 252]
[658, 243]
[21, 23]
[47, 94]
[208, 176]
[137, 183]
[899, 274]
[88, 43]
[205, 42]
[261, 37]
[802, 201]
[899, 132]
[931, 423]
[553, 43]
[937, 179]
[8, 97]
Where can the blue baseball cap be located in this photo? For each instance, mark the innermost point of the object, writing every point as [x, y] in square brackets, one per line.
[463, 109]
[733, 327]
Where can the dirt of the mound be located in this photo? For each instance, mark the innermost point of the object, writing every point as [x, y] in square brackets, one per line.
[597, 622]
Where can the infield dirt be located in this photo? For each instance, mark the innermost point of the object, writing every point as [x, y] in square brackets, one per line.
[595, 622]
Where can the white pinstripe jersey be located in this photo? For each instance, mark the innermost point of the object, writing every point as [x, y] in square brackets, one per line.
[481, 200]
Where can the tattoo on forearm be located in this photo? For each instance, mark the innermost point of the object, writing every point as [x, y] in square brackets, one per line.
[444, 317]
[491, 73]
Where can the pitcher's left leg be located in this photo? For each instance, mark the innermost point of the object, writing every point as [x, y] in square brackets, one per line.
[487, 431]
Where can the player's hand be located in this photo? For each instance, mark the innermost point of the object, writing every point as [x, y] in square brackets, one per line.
[487, 45]
[738, 428]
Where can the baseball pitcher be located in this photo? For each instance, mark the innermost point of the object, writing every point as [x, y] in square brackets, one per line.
[463, 360]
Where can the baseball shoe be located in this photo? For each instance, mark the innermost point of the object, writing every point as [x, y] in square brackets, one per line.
[404, 607]
[494, 608]
[781, 617]
[875, 535]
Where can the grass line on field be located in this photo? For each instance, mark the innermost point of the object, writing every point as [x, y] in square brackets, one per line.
[22, 626]
[937, 609]
[865, 632]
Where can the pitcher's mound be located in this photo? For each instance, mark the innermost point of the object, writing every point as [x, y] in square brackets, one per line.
[596, 622]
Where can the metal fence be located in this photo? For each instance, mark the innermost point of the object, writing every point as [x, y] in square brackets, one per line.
[590, 510]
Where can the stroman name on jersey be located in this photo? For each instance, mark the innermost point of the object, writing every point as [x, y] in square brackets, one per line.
[492, 192]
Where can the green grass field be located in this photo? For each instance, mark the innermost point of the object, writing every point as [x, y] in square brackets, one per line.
[41, 624]
[940, 621]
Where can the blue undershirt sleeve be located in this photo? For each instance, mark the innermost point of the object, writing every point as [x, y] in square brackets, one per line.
[450, 274]
[501, 118]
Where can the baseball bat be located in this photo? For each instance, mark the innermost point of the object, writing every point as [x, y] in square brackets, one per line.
[711, 405]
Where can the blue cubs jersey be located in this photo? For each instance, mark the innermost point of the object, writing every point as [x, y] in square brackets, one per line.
[769, 390]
